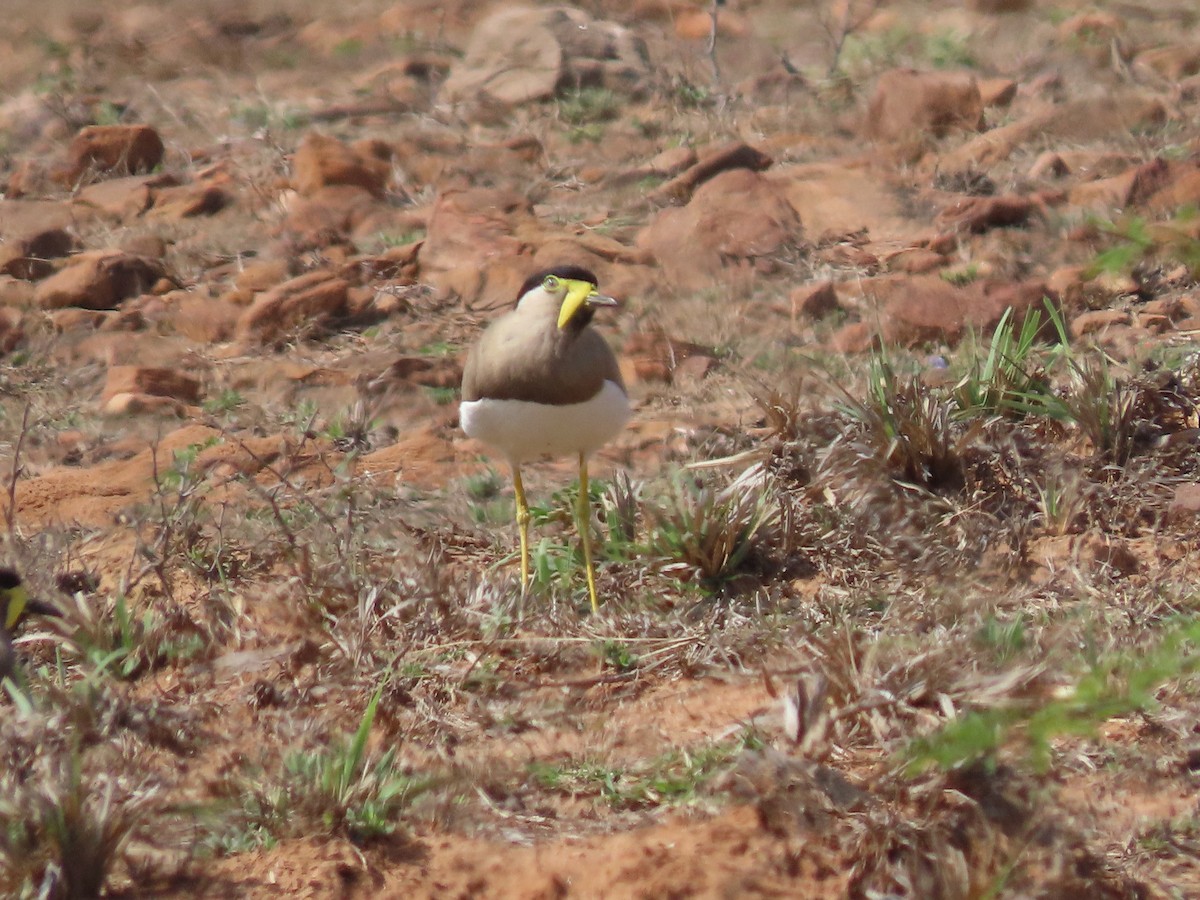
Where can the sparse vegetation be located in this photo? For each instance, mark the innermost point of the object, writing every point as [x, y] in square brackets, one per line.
[897, 582]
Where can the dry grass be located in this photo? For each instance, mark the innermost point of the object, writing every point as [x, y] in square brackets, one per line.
[965, 594]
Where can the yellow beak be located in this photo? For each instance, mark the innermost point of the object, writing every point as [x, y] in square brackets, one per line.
[579, 293]
[17, 600]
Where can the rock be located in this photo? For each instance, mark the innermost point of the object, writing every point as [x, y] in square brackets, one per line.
[321, 161]
[672, 161]
[29, 257]
[261, 274]
[12, 334]
[302, 307]
[122, 199]
[731, 156]
[1092, 119]
[814, 300]
[979, 214]
[693, 24]
[188, 200]
[471, 227]
[927, 309]
[155, 382]
[112, 150]
[997, 92]
[836, 199]
[1182, 191]
[130, 404]
[1172, 63]
[731, 221]
[1048, 165]
[518, 55]
[98, 279]
[1094, 321]
[328, 216]
[19, 219]
[207, 320]
[908, 104]
[854, 337]
[1101, 27]
[1184, 508]
[653, 356]
[1107, 552]
[72, 319]
[915, 260]
[995, 7]
[419, 370]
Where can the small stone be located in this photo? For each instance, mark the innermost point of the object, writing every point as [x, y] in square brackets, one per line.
[910, 104]
[112, 149]
[814, 300]
[98, 279]
[1184, 507]
[155, 382]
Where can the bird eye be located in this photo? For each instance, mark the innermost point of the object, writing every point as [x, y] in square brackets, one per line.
[550, 283]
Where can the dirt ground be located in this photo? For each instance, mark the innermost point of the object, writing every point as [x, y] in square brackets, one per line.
[897, 556]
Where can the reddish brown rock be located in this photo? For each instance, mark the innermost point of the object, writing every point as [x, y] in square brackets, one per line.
[29, 257]
[472, 227]
[1095, 26]
[520, 54]
[995, 7]
[302, 307]
[1172, 63]
[693, 24]
[12, 334]
[112, 150]
[321, 161]
[814, 300]
[842, 199]
[855, 337]
[206, 320]
[672, 161]
[130, 404]
[979, 214]
[927, 309]
[98, 279]
[1098, 320]
[1184, 508]
[734, 219]
[72, 319]
[188, 200]
[121, 199]
[915, 260]
[156, 382]
[261, 274]
[908, 104]
[1048, 165]
[1090, 119]
[328, 216]
[997, 92]
[731, 156]
[419, 370]
[653, 356]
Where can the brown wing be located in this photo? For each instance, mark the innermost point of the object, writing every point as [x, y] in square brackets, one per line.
[513, 361]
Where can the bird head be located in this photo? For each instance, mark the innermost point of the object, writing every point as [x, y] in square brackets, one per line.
[572, 289]
[15, 601]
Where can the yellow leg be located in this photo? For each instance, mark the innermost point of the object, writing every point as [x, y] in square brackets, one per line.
[585, 531]
[522, 525]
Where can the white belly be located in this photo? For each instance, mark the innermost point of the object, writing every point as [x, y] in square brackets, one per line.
[525, 431]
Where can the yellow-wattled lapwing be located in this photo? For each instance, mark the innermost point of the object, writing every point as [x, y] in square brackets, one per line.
[542, 382]
[15, 604]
